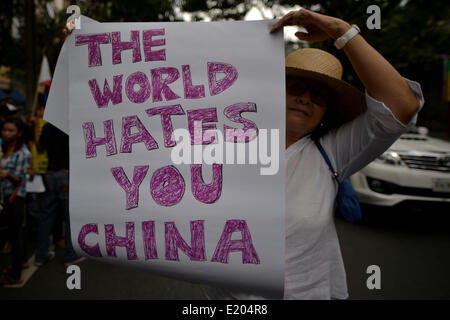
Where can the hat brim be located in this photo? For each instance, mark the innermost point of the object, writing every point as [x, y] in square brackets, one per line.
[350, 103]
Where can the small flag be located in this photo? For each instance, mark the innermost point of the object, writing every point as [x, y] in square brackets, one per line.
[45, 76]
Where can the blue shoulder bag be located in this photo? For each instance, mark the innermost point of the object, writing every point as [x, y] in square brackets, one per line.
[346, 198]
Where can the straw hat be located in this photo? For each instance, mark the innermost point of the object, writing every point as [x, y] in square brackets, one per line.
[322, 67]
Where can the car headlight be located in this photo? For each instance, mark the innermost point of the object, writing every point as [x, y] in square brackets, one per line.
[390, 157]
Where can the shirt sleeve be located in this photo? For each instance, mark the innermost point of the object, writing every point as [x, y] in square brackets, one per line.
[22, 164]
[358, 142]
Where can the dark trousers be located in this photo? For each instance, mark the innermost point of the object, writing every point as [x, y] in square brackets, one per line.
[56, 196]
[15, 213]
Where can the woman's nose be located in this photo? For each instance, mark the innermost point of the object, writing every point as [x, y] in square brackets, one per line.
[304, 98]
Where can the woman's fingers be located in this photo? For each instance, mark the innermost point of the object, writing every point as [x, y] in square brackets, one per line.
[313, 34]
[68, 28]
[286, 20]
[311, 21]
[303, 36]
[300, 17]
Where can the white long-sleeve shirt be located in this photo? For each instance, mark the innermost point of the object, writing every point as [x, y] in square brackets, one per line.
[314, 268]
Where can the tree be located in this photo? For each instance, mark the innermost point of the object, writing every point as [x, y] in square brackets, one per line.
[414, 35]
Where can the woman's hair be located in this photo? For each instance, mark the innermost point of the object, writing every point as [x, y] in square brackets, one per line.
[20, 127]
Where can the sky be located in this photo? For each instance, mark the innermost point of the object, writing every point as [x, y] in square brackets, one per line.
[259, 12]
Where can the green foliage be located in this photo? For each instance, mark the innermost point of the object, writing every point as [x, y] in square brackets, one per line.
[129, 10]
[9, 48]
[413, 37]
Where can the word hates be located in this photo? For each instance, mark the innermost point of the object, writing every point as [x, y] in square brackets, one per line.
[199, 123]
[173, 242]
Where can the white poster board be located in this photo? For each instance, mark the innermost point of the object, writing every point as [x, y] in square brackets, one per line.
[221, 223]
[57, 105]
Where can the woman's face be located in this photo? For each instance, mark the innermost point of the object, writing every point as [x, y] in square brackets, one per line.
[40, 112]
[306, 103]
[10, 132]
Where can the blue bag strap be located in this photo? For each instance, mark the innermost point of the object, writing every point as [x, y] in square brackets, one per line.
[327, 160]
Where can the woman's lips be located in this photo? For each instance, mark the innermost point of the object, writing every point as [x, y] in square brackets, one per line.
[301, 111]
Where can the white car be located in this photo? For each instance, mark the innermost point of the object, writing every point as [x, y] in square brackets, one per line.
[415, 168]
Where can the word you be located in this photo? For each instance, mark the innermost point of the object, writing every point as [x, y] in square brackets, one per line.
[167, 185]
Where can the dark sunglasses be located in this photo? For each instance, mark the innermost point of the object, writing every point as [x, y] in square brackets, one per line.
[320, 94]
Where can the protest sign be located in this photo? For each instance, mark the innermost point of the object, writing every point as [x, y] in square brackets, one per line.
[133, 89]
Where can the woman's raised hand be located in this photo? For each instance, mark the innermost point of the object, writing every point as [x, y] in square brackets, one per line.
[319, 27]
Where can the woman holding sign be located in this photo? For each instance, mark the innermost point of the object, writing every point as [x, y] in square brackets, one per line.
[352, 127]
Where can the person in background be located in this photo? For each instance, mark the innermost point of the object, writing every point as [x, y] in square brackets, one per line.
[56, 181]
[6, 109]
[9, 111]
[39, 167]
[35, 188]
[14, 167]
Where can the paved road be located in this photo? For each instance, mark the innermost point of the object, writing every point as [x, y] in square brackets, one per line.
[412, 250]
[411, 247]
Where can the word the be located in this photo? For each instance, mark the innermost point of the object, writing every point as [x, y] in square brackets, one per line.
[93, 42]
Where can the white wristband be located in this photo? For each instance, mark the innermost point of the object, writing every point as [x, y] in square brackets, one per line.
[346, 37]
